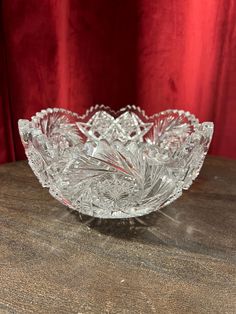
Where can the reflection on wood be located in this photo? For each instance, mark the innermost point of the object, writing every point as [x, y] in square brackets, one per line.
[55, 260]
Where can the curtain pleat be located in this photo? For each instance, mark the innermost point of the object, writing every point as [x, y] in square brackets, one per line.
[7, 149]
[157, 54]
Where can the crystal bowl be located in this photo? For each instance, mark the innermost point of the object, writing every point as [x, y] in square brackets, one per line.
[115, 164]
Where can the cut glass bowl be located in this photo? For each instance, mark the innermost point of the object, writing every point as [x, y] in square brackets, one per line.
[115, 164]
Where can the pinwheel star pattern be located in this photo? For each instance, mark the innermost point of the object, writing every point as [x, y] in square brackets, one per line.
[115, 165]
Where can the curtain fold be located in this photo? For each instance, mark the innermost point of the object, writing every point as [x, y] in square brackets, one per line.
[7, 151]
[157, 54]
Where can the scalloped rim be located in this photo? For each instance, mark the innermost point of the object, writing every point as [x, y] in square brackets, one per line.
[41, 114]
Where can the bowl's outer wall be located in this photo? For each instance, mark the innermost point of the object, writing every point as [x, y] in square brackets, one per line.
[53, 163]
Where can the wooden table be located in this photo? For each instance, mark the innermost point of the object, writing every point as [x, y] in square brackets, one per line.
[53, 260]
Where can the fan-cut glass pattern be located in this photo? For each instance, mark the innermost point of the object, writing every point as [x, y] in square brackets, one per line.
[115, 164]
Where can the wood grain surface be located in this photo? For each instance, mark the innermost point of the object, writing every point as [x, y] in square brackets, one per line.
[53, 260]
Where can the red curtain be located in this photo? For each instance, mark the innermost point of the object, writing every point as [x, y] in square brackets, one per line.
[157, 54]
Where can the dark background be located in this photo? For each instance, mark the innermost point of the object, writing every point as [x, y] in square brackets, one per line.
[158, 54]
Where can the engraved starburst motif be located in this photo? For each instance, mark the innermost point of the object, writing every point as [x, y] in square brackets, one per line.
[128, 126]
[115, 164]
